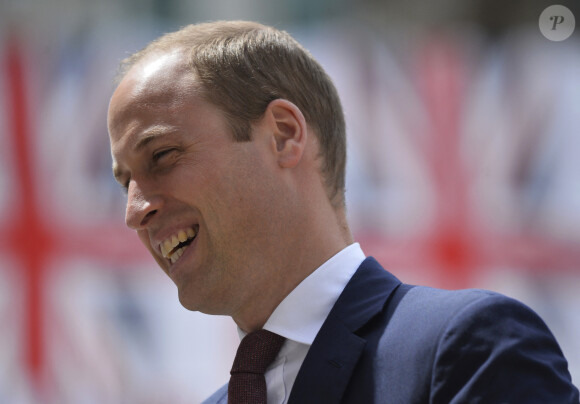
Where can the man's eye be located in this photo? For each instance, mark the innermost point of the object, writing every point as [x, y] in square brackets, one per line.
[160, 154]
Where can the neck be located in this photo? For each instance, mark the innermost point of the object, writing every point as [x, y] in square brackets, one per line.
[300, 257]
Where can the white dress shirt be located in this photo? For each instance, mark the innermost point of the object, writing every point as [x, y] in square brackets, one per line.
[300, 316]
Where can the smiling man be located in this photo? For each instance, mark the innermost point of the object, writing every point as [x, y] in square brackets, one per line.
[229, 139]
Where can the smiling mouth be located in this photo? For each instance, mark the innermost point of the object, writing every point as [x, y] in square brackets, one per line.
[173, 247]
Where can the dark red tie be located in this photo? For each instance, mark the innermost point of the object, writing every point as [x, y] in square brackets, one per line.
[255, 353]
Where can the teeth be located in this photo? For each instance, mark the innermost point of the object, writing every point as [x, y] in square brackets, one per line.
[177, 255]
[170, 243]
[166, 247]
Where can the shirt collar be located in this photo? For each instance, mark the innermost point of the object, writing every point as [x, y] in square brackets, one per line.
[301, 314]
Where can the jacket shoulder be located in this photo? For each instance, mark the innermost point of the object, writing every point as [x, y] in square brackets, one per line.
[475, 345]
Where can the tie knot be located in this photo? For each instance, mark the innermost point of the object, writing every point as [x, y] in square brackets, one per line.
[256, 351]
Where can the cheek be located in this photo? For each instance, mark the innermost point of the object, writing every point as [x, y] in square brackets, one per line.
[251, 206]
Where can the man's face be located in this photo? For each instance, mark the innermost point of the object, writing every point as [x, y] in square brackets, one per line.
[200, 202]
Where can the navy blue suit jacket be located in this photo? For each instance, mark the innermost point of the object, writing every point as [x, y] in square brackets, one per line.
[388, 342]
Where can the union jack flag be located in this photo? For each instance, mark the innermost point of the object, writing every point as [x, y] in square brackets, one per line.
[462, 172]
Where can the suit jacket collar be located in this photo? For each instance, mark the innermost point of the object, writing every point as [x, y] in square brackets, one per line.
[334, 353]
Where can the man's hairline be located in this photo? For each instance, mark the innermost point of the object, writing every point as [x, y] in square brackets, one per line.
[141, 56]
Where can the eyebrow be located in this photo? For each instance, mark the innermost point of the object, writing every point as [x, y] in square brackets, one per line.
[149, 136]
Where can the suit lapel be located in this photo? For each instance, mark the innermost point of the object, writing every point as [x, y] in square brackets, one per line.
[327, 369]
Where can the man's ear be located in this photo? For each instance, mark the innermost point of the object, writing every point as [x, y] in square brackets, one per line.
[289, 130]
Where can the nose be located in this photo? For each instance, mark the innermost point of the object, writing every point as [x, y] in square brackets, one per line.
[141, 206]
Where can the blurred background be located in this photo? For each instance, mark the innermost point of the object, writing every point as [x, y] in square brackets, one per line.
[463, 171]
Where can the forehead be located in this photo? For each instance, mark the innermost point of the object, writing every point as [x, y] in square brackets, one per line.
[159, 79]
[158, 95]
[154, 87]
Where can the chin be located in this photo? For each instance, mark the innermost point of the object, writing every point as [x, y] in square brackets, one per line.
[190, 302]
[195, 305]
[186, 303]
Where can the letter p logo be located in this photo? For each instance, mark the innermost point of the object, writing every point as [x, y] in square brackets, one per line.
[557, 23]
[557, 19]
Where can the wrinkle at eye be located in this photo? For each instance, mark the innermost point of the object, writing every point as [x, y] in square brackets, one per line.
[162, 153]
